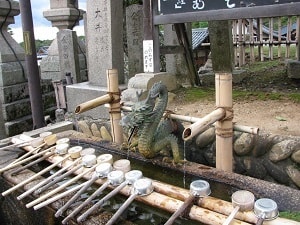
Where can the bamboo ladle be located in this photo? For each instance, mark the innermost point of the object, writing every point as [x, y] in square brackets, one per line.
[66, 184]
[62, 176]
[34, 176]
[13, 165]
[242, 201]
[34, 188]
[101, 171]
[198, 188]
[130, 178]
[48, 140]
[141, 187]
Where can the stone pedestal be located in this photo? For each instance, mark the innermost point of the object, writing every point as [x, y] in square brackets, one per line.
[142, 82]
[293, 69]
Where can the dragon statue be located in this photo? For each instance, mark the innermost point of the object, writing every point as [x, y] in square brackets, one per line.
[154, 134]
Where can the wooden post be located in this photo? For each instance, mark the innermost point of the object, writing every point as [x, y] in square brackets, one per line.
[115, 107]
[222, 61]
[297, 39]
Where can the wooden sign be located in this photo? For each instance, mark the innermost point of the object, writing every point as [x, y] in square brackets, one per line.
[183, 6]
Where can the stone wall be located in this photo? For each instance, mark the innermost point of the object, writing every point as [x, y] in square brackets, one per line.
[268, 157]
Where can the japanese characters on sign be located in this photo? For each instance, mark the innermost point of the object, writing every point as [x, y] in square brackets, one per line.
[148, 56]
[180, 6]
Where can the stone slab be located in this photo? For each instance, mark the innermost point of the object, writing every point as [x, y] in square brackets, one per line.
[208, 78]
[293, 69]
[83, 92]
[11, 73]
[54, 128]
[67, 48]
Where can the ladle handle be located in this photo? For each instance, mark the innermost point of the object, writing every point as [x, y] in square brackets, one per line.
[57, 179]
[86, 202]
[28, 153]
[58, 189]
[34, 188]
[58, 196]
[231, 216]
[95, 206]
[119, 212]
[32, 163]
[19, 162]
[260, 221]
[33, 177]
[77, 195]
[180, 210]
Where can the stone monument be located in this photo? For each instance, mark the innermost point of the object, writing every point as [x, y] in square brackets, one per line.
[104, 39]
[64, 14]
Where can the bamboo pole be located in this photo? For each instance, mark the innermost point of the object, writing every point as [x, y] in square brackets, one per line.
[203, 124]
[115, 107]
[191, 119]
[224, 128]
[83, 107]
[279, 36]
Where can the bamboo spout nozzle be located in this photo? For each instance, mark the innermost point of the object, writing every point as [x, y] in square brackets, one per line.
[203, 124]
[83, 107]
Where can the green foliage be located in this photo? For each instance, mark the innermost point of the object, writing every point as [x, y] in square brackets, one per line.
[200, 24]
[39, 43]
[198, 93]
[131, 2]
[290, 215]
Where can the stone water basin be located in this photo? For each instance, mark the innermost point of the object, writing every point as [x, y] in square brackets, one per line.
[222, 184]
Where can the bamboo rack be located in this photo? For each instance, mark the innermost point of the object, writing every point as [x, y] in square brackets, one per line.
[208, 210]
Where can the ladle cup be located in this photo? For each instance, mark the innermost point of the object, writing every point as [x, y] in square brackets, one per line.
[265, 209]
[87, 161]
[241, 201]
[141, 187]
[94, 195]
[114, 178]
[101, 171]
[198, 188]
[48, 140]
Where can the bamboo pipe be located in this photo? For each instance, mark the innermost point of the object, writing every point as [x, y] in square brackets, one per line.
[83, 107]
[33, 177]
[34, 188]
[224, 128]
[115, 107]
[203, 124]
[191, 119]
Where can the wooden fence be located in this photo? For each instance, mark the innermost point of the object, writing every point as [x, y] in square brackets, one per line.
[251, 39]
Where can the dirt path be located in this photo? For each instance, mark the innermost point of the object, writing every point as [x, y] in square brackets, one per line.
[275, 117]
